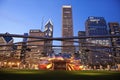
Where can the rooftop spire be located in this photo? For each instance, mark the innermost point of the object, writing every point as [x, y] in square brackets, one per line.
[49, 21]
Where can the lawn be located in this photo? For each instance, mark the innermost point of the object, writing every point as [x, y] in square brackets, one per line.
[58, 75]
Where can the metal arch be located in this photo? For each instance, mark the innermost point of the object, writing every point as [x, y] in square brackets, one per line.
[59, 38]
[21, 36]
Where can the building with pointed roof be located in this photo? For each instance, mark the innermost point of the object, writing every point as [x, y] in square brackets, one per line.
[6, 40]
[48, 29]
[49, 34]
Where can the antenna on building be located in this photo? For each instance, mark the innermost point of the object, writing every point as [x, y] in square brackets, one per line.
[42, 23]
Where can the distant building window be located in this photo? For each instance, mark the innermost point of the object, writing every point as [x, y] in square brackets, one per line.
[112, 32]
[65, 16]
[66, 11]
[34, 30]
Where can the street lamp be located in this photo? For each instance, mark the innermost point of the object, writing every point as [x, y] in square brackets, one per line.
[18, 64]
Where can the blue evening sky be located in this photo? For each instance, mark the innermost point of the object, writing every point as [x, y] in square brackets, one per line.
[19, 16]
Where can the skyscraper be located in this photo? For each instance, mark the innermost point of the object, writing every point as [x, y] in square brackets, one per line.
[6, 40]
[67, 28]
[82, 47]
[81, 41]
[49, 34]
[23, 49]
[114, 29]
[96, 26]
[37, 47]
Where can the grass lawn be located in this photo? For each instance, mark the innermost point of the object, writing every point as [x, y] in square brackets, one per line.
[58, 75]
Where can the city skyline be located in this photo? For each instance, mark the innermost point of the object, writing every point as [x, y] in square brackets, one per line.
[19, 16]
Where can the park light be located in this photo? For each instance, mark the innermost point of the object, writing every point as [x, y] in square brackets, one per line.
[81, 67]
[9, 63]
[49, 66]
[59, 58]
[35, 66]
[50, 59]
[13, 63]
[71, 61]
[110, 55]
[18, 63]
[5, 63]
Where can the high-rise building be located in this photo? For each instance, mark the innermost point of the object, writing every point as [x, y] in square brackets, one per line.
[49, 34]
[96, 26]
[114, 29]
[23, 49]
[82, 47]
[6, 50]
[81, 41]
[49, 29]
[67, 29]
[20, 49]
[37, 47]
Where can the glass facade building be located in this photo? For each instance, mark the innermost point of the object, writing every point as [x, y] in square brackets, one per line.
[114, 29]
[96, 26]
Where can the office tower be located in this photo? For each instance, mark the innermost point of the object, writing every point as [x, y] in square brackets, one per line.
[81, 41]
[96, 26]
[49, 34]
[37, 47]
[18, 51]
[82, 47]
[67, 29]
[114, 29]
[6, 50]
[23, 49]
[1, 47]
